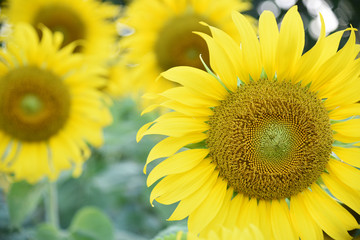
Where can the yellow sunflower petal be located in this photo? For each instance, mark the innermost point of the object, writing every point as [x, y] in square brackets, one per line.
[33, 170]
[331, 45]
[345, 139]
[202, 216]
[345, 112]
[344, 88]
[265, 219]
[220, 62]
[219, 219]
[150, 108]
[280, 221]
[335, 65]
[305, 227]
[197, 80]
[250, 46]
[291, 43]
[349, 128]
[176, 187]
[190, 203]
[235, 208]
[328, 214]
[188, 97]
[60, 157]
[171, 145]
[232, 50]
[348, 155]
[249, 214]
[187, 110]
[183, 127]
[269, 35]
[177, 163]
[312, 59]
[345, 194]
[141, 133]
[347, 174]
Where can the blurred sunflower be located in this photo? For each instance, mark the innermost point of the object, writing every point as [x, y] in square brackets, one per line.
[117, 85]
[90, 21]
[249, 233]
[163, 36]
[270, 131]
[50, 107]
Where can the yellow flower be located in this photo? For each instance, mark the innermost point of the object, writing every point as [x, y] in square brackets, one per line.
[50, 105]
[88, 21]
[249, 233]
[117, 84]
[270, 131]
[163, 36]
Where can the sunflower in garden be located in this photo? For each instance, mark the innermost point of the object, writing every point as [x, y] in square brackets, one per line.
[163, 36]
[266, 134]
[87, 21]
[50, 105]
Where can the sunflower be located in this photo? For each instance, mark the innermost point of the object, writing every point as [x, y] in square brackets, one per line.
[87, 21]
[117, 84]
[50, 107]
[249, 233]
[163, 36]
[266, 134]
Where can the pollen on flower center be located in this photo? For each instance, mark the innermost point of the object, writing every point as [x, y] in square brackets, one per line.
[31, 104]
[35, 104]
[177, 45]
[61, 19]
[270, 139]
[275, 141]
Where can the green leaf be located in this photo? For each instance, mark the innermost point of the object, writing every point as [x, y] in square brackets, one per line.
[22, 200]
[90, 223]
[47, 231]
[172, 232]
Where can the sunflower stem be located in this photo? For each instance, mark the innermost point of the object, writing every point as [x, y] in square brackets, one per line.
[52, 215]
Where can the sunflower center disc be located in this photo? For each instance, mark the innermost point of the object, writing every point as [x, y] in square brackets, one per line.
[31, 104]
[177, 45]
[35, 104]
[270, 140]
[61, 19]
[275, 141]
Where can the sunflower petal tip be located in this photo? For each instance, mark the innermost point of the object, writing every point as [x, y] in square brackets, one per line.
[198, 33]
[149, 181]
[142, 131]
[294, 8]
[139, 137]
[149, 109]
[204, 23]
[144, 169]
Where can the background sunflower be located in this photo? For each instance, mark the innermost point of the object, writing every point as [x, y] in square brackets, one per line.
[89, 22]
[163, 36]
